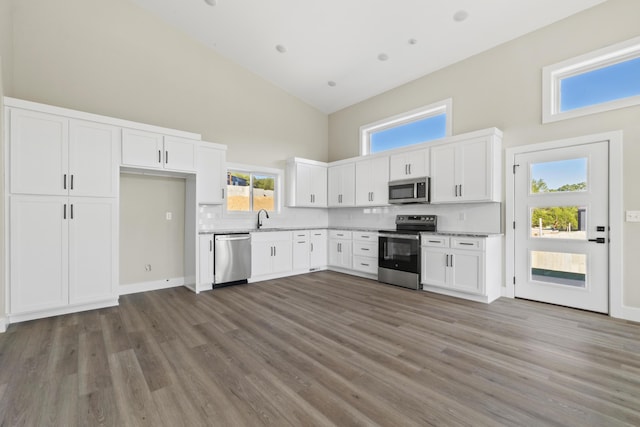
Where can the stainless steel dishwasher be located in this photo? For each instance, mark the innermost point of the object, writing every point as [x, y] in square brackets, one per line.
[232, 259]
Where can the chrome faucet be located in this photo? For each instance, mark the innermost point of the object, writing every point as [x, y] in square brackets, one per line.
[259, 212]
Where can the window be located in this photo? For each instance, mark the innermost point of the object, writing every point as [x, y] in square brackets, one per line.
[413, 127]
[599, 81]
[251, 191]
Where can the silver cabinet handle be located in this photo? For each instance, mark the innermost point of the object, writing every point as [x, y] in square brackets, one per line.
[222, 190]
[451, 260]
[64, 182]
[71, 217]
[460, 190]
[274, 251]
[364, 265]
[64, 211]
[311, 248]
[409, 168]
[159, 156]
[210, 245]
[166, 157]
[72, 181]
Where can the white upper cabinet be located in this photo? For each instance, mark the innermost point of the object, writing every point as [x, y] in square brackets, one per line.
[94, 157]
[466, 171]
[54, 155]
[342, 185]
[372, 181]
[153, 150]
[39, 153]
[409, 164]
[306, 182]
[211, 174]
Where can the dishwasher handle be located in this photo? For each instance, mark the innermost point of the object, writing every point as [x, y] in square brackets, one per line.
[230, 238]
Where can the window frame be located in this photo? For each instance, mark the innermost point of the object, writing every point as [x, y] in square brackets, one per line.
[552, 75]
[256, 170]
[431, 110]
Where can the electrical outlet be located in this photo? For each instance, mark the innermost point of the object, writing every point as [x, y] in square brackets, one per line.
[633, 216]
[147, 267]
[169, 216]
[462, 216]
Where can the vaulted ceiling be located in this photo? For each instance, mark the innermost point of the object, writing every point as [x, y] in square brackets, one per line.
[335, 53]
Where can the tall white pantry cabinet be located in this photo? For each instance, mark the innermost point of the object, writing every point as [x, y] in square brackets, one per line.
[63, 213]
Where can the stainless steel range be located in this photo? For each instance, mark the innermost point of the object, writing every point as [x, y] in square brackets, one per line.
[399, 250]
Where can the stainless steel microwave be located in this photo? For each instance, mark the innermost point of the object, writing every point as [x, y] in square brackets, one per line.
[415, 190]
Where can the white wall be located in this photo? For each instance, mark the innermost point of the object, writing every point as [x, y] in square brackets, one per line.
[502, 88]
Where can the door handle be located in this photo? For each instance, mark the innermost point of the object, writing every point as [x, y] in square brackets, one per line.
[599, 240]
[71, 205]
[159, 156]
[71, 181]
[64, 182]
[166, 157]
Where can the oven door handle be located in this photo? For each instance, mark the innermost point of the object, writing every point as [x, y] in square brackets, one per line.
[400, 236]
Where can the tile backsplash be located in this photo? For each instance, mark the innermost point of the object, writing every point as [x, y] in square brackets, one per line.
[470, 217]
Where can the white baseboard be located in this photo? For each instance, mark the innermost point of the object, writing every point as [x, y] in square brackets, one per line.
[154, 285]
[23, 317]
[627, 313]
[3, 325]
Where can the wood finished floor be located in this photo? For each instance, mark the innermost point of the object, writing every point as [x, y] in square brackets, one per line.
[320, 349]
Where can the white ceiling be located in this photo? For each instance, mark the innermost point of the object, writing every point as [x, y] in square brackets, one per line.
[340, 40]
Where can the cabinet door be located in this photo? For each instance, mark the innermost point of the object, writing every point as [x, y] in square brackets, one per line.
[318, 249]
[93, 159]
[141, 148]
[434, 267]
[340, 253]
[342, 185]
[39, 153]
[467, 271]
[179, 154]
[319, 185]
[372, 182]
[210, 180]
[411, 164]
[305, 175]
[93, 249]
[282, 257]
[205, 258]
[261, 258]
[443, 174]
[301, 253]
[473, 169]
[38, 253]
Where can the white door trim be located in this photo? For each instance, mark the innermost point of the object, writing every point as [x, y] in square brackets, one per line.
[616, 215]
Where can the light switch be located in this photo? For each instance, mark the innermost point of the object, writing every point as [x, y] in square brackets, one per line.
[169, 216]
[633, 216]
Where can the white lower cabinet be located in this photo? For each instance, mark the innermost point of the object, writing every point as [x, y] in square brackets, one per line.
[365, 252]
[271, 253]
[301, 250]
[205, 264]
[340, 249]
[318, 249]
[63, 254]
[467, 267]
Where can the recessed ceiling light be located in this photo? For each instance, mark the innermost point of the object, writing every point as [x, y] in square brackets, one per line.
[412, 41]
[383, 57]
[460, 15]
[281, 48]
[210, 2]
[331, 83]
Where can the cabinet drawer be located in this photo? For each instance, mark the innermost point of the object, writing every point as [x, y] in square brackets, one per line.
[339, 234]
[435, 241]
[366, 265]
[467, 243]
[318, 233]
[270, 236]
[300, 235]
[366, 236]
[365, 249]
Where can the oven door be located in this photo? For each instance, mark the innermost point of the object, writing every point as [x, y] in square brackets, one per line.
[399, 252]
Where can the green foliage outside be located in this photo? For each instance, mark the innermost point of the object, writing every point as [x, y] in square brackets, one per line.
[557, 218]
[264, 182]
